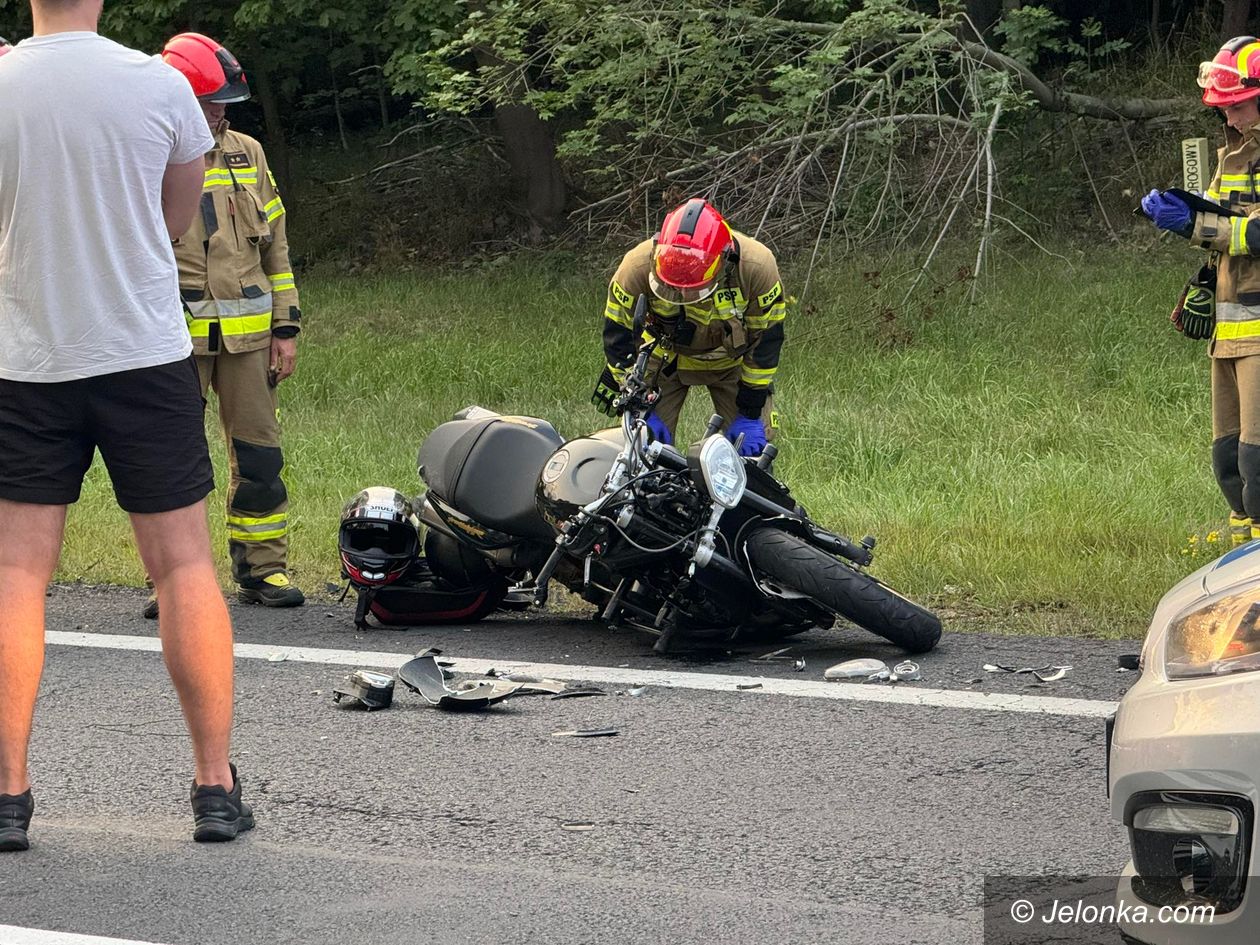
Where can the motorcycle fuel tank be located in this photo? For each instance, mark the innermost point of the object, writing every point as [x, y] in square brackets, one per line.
[574, 474]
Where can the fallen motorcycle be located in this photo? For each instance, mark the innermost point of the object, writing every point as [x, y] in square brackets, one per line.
[697, 548]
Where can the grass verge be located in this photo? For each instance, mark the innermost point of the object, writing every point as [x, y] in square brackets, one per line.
[1033, 462]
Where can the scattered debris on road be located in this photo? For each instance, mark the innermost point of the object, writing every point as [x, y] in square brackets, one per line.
[586, 733]
[578, 693]
[755, 685]
[277, 657]
[1047, 673]
[578, 826]
[907, 671]
[423, 676]
[366, 688]
[859, 669]
[636, 691]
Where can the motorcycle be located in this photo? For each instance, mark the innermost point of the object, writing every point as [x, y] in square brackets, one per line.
[696, 548]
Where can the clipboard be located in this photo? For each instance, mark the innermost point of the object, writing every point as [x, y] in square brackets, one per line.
[1196, 204]
[1201, 205]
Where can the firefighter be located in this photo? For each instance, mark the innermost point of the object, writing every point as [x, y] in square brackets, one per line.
[716, 306]
[241, 302]
[1231, 84]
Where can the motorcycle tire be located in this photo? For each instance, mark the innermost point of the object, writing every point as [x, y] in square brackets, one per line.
[791, 561]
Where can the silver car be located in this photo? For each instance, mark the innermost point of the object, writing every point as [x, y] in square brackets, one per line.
[1184, 763]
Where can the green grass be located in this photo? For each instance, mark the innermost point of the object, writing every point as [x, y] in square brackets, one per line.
[1034, 462]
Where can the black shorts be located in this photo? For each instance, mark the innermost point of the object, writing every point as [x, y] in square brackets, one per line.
[148, 424]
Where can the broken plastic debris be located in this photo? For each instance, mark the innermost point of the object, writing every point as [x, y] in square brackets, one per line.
[1047, 673]
[586, 733]
[773, 655]
[277, 657]
[857, 669]
[636, 691]
[578, 826]
[423, 675]
[576, 693]
[799, 666]
[1129, 661]
[751, 685]
[907, 671]
[369, 689]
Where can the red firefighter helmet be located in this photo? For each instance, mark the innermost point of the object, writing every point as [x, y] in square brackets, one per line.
[1233, 75]
[214, 73]
[689, 253]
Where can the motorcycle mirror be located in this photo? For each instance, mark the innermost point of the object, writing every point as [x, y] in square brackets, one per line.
[715, 424]
[640, 316]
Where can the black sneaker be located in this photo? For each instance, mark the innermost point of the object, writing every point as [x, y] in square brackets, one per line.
[275, 590]
[151, 607]
[219, 814]
[15, 818]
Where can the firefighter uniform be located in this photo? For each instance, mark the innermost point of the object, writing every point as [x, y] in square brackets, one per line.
[1235, 347]
[238, 289]
[729, 343]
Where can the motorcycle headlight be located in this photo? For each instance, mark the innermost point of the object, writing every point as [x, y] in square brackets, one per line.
[722, 471]
[1215, 637]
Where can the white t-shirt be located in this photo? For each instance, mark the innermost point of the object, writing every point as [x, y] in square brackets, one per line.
[88, 283]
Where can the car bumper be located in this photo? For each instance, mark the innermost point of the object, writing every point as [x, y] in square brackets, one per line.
[1198, 738]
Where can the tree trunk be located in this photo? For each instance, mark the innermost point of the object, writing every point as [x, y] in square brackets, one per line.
[341, 122]
[382, 91]
[1235, 17]
[531, 152]
[277, 146]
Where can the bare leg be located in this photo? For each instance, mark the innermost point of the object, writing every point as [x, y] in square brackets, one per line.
[26, 566]
[195, 629]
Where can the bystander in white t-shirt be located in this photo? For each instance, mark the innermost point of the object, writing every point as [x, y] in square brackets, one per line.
[88, 283]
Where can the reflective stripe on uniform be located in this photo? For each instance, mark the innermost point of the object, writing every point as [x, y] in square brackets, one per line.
[752, 376]
[274, 210]
[236, 317]
[615, 313]
[242, 528]
[1235, 331]
[233, 326]
[1238, 236]
[689, 363]
[280, 281]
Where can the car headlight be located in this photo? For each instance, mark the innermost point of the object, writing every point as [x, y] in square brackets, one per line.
[1215, 637]
[722, 471]
[1189, 848]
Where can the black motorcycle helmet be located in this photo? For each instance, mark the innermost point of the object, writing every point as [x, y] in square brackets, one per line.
[379, 537]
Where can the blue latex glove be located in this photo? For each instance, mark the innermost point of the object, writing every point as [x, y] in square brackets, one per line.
[1167, 212]
[659, 430]
[754, 435]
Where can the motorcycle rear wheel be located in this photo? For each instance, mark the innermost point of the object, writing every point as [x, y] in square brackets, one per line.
[792, 562]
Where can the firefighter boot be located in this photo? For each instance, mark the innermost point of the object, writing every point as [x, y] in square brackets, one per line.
[1239, 529]
[275, 590]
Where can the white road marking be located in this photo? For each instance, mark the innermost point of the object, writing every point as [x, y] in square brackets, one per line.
[900, 694]
[16, 935]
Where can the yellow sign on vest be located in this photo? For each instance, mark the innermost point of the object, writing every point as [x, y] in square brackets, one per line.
[1195, 174]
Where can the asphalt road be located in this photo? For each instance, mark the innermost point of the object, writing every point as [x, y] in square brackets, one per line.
[715, 815]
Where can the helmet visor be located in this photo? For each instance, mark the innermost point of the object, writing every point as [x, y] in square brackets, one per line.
[1222, 78]
[683, 274]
